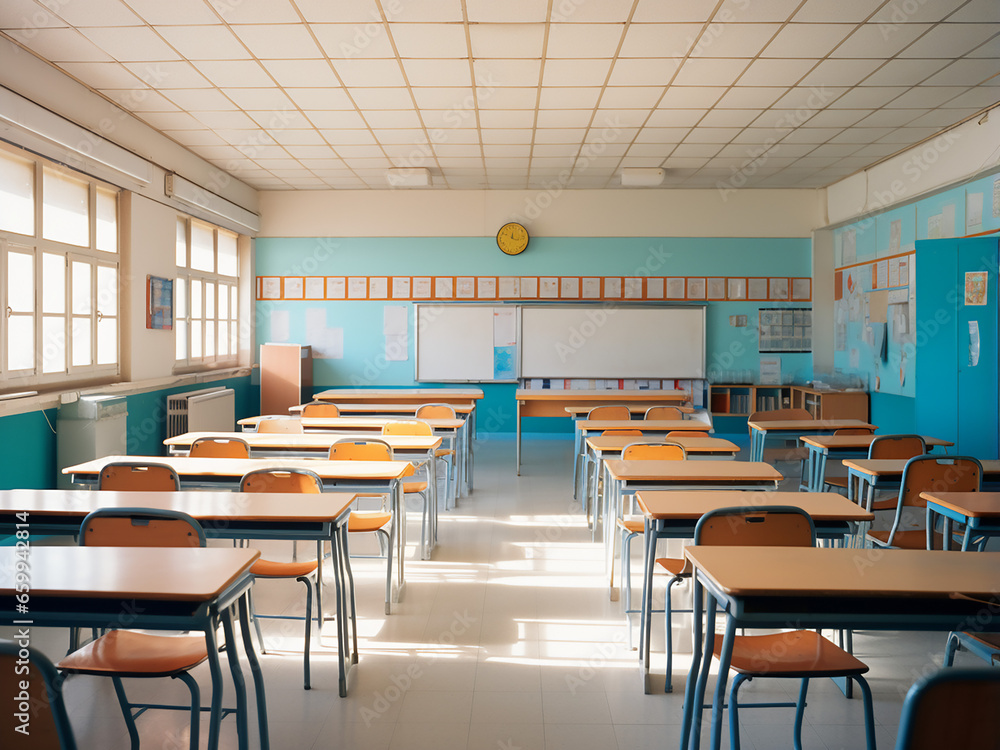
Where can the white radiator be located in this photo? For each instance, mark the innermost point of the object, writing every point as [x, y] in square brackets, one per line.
[207, 410]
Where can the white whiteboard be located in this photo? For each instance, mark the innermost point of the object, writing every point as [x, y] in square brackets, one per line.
[454, 342]
[612, 342]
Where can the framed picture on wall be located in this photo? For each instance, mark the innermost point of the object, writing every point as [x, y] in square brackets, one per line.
[159, 303]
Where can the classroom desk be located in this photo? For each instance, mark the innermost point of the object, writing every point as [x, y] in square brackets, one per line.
[674, 515]
[400, 410]
[823, 447]
[795, 427]
[770, 587]
[867, 475]
[362, 477]
[160, 588]
[223, 515]
[552, 403]
[602, 447]
[979, 512]
[455, 430]
[417, 449]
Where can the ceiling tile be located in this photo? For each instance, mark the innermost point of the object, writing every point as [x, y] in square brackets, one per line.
[507, 40]
[902, 72]
[661, 135]
[392, 118]
[659, 39]
[222, 120]
[140, 43]
[979, 97]
[312, 99]
[256, 11]
[95, 13]
[908, 136]
[823, 11]
[337, 119]
[234, 73]
[262, 98]
[103, 75]
[169, 75]
[60, 45]
[506, 118]
[409, 136]
[289, 137]
[437, 40]
[279, 41]
[584, 40]
[174, 121]
[746, 97]
[925, 97]
[807, 40]
[847, 72]
[775, 72]
[341, 138]
[711, 135]
[657, 11]
[341, 40]
[619, 118]
[838, 150]
[508, 136]
[734, 39]
[194, 100]
[691, 97]
[709, 72]
[26, 14]
[564, 118]
[423, 11]
[442, 98]
[437, 72]
[898, 13]
[810, 97]
[758, 10]
[967, 72]
[358, 72]
[143, 100]
[990, 49]
[575, 72]
[308, 153]
[174, 13]
[187, 137]
[495, 72]
[489, 11]
[506, 98]
[669, 118]
[730, 118]
[204, 42]
[811, 135]
[295, 72]
[861, 135]
[560, 135]
[838, 118]
[951, 40]
[562, 97]
[887, 40]
[943, 118]
[631, 97]
[654, 72]
[865, 97]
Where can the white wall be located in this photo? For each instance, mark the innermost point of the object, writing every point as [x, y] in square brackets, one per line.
[570, 213]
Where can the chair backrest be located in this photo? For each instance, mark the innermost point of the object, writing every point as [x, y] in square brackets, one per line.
[765, 526]
[142, 476]
[897, 446]
[626, 433]
[938, 474]
[140, 527]
[219, 448]
[46, 719]
[774, 415]
[854, 431]
[686, 433]
[281, 480]
[435, 411]
[654, 452]
[953, 707]
[609, 412]
[663, 412]
[320, 409]
[407, 427]
[349, 449]
[285, 425]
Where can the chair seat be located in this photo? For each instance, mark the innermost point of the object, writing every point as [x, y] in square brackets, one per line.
[633, 526]
[675, 566]
[127, 653]
[907, 539]
[409, 487]
[989, 639]
[885, 504]
[793, 654]
[278, 569]
[836, 481]
[365, 521]
[441, 452]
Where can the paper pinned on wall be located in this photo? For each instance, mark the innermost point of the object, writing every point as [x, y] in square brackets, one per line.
[770, 370]
[332, 345]
[591, 287]
[357, 287]
[378, 287]
[948, 221]
[315, 324]
[293, 287]
[421, 287]
[465, 287]
[315, 287]
[934, 227]
[529, 287]
[443, 287]
[336, 287]
[394, 320]
[509, 287]
[270, 287]
[973, 212]
[895, 235]
[675, 288]
[904, 271]
[737, 289]
[397, 347]
[400, 287]
[849, 245]
[612, 287]
[549, 287]
[633, 287]
[486, 287]
[893, 273]
[996, 197]
[654, 287]
[505, 327]
[882, 274]
[569, 287]
[280, 326]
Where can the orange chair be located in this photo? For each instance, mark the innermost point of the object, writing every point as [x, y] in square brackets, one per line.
[882, 446]
[598, 412]
[207, 447]
[419, 487]
[686, 433]
[922, 473]
[138, 476]
[125, 653]
[663, 412]
[447, 455]
[288, 480]
[378, 522]
[49, 726]
[951, 708]
[795, 452]
[799, 654]
[320, 409]
[632, 527]
[622, 433]
[284, 425]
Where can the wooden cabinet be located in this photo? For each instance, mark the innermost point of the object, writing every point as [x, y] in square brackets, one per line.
[742, 400]
[831, 404]
[285, 377]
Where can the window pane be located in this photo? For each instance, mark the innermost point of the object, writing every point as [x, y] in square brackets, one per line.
[202, 247]
[17, 201]
[233, 345]
[233, 304]
[81, 342]
[196, 326]
[21, 342]
[223, 338]
[195, 298]
[53, 283]
[107, 220]
[227, 253]
[182, 243]
[107, 290]
[65, 213]
[209, 299]
[21, 282]
[210, 338]
[107, 341]
[53, 344]
[180, 339]
[181, 305]
[82, 298]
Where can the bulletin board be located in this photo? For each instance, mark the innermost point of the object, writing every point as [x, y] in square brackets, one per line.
[466, 343]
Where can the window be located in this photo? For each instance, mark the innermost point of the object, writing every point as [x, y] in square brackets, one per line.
[205, 302]
[59, 263]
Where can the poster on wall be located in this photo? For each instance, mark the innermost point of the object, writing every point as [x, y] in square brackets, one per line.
[975, 287]
[159, 303]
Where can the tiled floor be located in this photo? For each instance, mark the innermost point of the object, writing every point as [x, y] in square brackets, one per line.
[506, 640]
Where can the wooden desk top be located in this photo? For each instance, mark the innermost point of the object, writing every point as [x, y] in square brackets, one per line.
[359, 423]
[660, 425]
[308, 440]
[693, 471]
[857, 441]
[152, 573]
[887, 467]
[386, 408]
[400, 395]
[615, 443]
[832, 572]
[969, 504]
[807, 425]
[574, 410]
[205, 505]
[609, 396]
[691, 505]
[186, 466]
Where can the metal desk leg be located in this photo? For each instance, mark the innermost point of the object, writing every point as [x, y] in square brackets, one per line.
[725, 658]
[577, 451]
[215, 670]
[646, 619]
[397, 490]
[517, 428]
[255, 670]
[342, 631]
[471, 429]
[238, 681]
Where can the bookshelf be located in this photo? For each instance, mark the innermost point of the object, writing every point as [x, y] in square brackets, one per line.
[741, 400]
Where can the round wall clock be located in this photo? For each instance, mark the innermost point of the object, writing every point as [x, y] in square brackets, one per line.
[512, 238]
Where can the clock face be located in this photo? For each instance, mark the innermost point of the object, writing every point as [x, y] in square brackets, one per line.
[512, 238]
